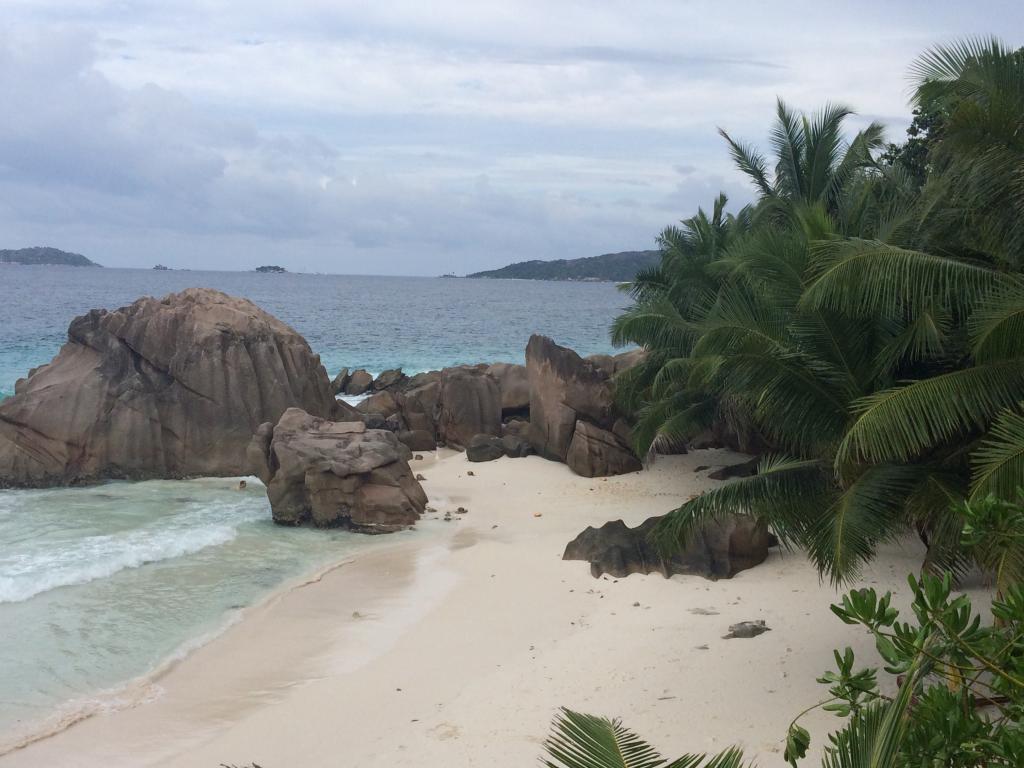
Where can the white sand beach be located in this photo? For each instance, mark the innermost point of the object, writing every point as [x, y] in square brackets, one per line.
[455, 647]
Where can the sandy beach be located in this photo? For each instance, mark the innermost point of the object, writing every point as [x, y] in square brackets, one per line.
[454, 646]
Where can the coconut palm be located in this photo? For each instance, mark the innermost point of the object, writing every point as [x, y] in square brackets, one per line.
[887, 377]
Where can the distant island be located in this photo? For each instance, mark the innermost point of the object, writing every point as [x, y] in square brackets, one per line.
[45, 256]
[616, 267]
[161, 268]
[271, 268]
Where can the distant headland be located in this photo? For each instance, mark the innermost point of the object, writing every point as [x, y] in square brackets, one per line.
[616, 267]
[271, 268]
[45, 256]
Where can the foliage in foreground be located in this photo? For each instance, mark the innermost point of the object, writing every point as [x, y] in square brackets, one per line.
[862, 324]
[954, 697]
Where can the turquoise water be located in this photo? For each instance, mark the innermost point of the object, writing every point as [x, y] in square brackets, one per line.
[416, 323]
[101, 585]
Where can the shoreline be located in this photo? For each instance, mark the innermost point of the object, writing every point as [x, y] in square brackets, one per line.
[434, 650]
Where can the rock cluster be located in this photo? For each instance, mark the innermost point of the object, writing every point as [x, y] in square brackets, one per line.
[162, 388]
[335, 474]
[720, 549]
[558, 405]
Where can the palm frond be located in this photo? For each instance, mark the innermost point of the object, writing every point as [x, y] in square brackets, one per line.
[585, 741]
[997, 464]
[902, 423]
[864, 278]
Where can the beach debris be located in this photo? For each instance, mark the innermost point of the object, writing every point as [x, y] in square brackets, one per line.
[461, 511]
[537, 514]
[747, 629]
[702, 647]
[704, 611]
[701, 468]
[418, 457]
[470, 473]
[636, 605]
[421, 478]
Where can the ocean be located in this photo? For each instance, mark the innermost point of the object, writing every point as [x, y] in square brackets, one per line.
[103, 585]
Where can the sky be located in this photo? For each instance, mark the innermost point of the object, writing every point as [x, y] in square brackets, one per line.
[417, 137]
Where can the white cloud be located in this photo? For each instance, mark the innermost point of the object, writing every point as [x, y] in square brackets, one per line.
[411, 137]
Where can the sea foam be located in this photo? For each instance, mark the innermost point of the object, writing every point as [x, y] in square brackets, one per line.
[99, 557]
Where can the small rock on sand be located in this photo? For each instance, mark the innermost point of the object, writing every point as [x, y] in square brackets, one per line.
[747, 629]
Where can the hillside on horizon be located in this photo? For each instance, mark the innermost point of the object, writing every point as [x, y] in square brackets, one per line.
[616, 267]
[43, 255]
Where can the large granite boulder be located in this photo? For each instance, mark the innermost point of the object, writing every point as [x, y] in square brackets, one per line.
[485, 448]
[572, 411]
[469, 404]
[340, 382]
[417, 440]
[381, 403]
[565, 389]
[596, 452]
[336, 474]
[514, 386]
[613, 364]
[162, 388]
[418, 406]
[389, 379]
[359, 383]
[721, 549]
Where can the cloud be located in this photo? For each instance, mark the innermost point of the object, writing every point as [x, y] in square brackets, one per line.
[406, 137]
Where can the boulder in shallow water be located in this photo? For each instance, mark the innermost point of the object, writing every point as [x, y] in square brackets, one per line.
[721, 549]
[339, 382]
[336, 474]
[389, 379]
[359, 383]
[162, 388]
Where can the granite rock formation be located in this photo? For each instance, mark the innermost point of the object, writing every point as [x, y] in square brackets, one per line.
[336, 474]
[469, 404]
[162, 388]
[572, 414]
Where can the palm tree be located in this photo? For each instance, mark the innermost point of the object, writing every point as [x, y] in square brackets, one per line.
[887, 378]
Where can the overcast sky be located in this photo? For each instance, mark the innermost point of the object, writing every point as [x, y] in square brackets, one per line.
[415, 137]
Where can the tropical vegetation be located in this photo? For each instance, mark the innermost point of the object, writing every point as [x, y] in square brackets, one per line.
[860, 326]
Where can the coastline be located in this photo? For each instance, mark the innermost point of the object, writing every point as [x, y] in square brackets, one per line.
[383, 659]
